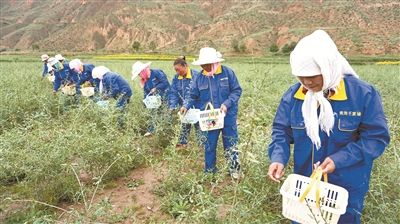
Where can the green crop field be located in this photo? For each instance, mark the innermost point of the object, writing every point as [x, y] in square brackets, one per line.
[47, 143]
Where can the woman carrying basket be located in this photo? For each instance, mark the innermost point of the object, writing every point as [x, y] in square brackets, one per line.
[84, 72]
[62, 74]
[45, 59]
[179, 91]
[153, 82]
[112, 85]
[218, 85]
[335, 121]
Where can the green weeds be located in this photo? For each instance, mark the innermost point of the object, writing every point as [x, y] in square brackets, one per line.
[53, 152]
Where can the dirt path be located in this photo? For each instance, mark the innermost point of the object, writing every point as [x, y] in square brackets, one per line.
[137, 192]
[12, 207]
[132, 200]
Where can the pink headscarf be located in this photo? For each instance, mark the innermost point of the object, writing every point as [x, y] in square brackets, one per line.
[214, 67]
[144, 76]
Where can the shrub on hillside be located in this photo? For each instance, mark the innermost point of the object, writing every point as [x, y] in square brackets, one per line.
[274, 48]
[287, 48]
[135, 46]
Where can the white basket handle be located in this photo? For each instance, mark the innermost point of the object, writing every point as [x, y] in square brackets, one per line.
[210, 106]
[315, 179]
[152, 94]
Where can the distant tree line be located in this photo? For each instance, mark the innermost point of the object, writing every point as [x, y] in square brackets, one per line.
[274, 48]
[287, 48]
[237, 46]
[136, 46]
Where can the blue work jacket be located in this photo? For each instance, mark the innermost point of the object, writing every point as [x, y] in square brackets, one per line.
[114, 85]
[180, 89]
[157, 80]
[221, 88]
[45, 70]
[360, 133]
[63, 76]
[86, 76]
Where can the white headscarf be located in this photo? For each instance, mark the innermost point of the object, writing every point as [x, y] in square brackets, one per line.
[98, 73]
[317, 54]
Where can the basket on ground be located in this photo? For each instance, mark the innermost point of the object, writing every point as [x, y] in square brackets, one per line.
[68, 90]
[191, 116]
[87, 91]
[211, 119]
[103, 104]
[152, 102]
[51, 78]
[308, 200]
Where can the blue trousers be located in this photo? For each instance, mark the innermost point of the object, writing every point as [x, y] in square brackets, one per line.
[185, 132]
[355, 205]
[122, 101]
[229, 140]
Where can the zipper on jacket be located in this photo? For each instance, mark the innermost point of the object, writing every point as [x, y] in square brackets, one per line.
[209, 82]
[183, 91]
[182, 97]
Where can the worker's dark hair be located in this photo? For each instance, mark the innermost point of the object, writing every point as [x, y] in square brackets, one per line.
[181, 60]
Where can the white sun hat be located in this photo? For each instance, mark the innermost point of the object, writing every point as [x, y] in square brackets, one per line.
[52, 61]
[44, 57]
[138, 67]
[208, 55]
[99, 71]
[59, 57]
[75, 64]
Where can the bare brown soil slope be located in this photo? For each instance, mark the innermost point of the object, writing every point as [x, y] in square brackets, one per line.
[359, 27]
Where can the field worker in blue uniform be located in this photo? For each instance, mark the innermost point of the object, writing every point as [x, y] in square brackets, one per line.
[112, 85]
[219, 85]
[45, 59]
[179, 90]
[84, 74]
[335, 121]
[153, 82]
[62, 75]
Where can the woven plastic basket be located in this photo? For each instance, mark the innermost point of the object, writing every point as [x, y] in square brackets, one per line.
[87, 91]
[103, 104]
[308, 200]
[51, 78]
[191, 116]
[68, 90]
[152, 102]
[211, 119]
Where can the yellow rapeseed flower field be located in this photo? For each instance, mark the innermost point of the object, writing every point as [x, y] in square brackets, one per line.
[388, 63]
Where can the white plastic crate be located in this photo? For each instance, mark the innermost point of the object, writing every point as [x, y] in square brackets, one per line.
[211, 119]
[332, 200]
[103, 104]
[87, 91]
[68, 90]
[152, 102]
[191, 116]
[51, 78]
